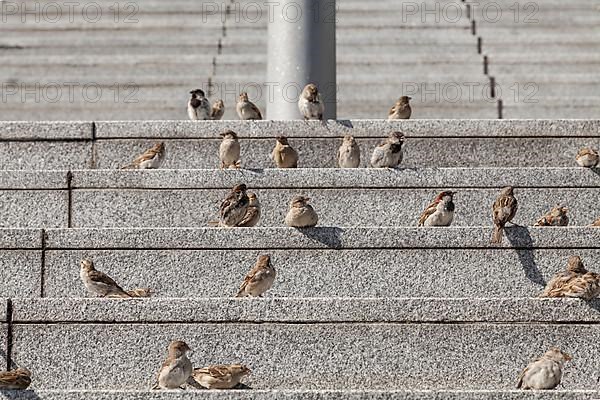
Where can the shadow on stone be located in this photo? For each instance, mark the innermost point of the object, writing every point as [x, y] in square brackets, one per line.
[595, 304]
[19, 395]
[328, 236]
[520, 238]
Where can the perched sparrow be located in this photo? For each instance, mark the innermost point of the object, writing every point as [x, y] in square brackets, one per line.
[504, 210]
[18, 379]
[140, 292]
[348, 153]
[218, 110]
[301, 214]
[586, 287]
[596, 222]
[220, 376]
[176, 369]
[247, 109]
[198, 106]
[98, 282]
[283, 154]
[401, 109]
[259, 279]
[440, 212]
[151, 159]
[310, 104]
[234, 207]
[229, 151]
[389, 153]
[556, 217]
[545, 372]
[554, 287]
[587, 157]
[252, 213]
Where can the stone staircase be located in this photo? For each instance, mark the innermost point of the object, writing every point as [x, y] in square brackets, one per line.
[365, 306]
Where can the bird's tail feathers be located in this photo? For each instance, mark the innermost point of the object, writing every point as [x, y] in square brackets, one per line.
[498, 234]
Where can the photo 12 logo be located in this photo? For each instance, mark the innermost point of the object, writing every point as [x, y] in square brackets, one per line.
[53, 12]
[68, 92]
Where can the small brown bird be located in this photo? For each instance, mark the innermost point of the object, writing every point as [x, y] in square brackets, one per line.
[554, 287]
[556, 217]
[504, 210]
[349, 153]
[220, 376]
[17, 379]
[198, 107]
[388, 154]
[301, 214]
[310, 104]
[545, 372]
[229, 151]
[252, 213]
[586, 287]
[440, 212]
[233, 208]
[218, 110]
[246, 109]
[98, 282]
[596, 222]
[176, 369]
[283, 154]
[587, 157]
[259, 279]
[401, 109]
[151, 159]
[140, 292]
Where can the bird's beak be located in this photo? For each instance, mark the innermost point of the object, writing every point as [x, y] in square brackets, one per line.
[410, 98]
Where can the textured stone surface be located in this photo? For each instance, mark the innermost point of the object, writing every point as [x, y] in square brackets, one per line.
[20, 238]
[335, 207]
[301, 395]
[304, 310]
[33, 179]
[20, 273]
[294, 356]
[3, 309]
[322, 153]
[33, 208]
[455, 273]
[318, 238]
[45, 155]
[23, 130]
[358, 128]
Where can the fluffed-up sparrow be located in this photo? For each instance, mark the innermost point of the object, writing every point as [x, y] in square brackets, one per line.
[555, 217]
[401, 109]
[259, 279]
[198, 107]
[233, 208]
[388, 154]
[310, 104]
[220, 376]
[545, 372]
[252, 212]
[283, 154]
[151, 159]
[587, 157]
[349, 153]
[554, 287]
[246, 109]
[229, 150]
[301, 214]
[17, 379]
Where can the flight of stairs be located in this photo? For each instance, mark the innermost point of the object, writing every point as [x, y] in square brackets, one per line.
[365, 306]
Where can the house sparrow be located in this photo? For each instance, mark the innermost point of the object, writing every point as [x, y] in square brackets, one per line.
[98, 282]
[587, 157]
[310, 104]
[234, 207]
[229, 151]
[140, 292]
[283, 154]
[218, 110]
[259, 279]
[586, 287]
[349, 153]
[389, 153]
[545, 372]
[596, 222]
[220, 376]
[176, 369]
[17, 379]
[440, 212]
[247, 109]
[198, 107]
[504, 210]
[401, 109]
[556, 217]
[554, 287]
[252, 213]
[301, 214]
[151, 159]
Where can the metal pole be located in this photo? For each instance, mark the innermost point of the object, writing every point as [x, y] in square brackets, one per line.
[301, 51]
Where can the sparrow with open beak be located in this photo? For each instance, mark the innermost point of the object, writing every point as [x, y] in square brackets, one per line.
[259, 279]
[349, 153]
[504, 210]
[198, 107]
[233, 208]
[388, 154]
[220, 376]
[150, 159]
[401, 109]
[17, 379]
[283, 154]
[229, 151]
[246, 109]
[176, 369]
[218, 110]
[587, 157]
[310, 104]
[545, 372]
[301, 214]
[98, 282]
[555, 217]
[440, 212]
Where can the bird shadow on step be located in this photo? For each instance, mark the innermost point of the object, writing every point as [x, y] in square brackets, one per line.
[329, 236]
[18, 395]
[345, 122]
[520, 238]
[595, 304]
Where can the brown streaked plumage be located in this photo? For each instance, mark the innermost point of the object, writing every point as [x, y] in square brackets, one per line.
[234, 207]
[17, 379]
[504, 210]
[140, 292]
[554, 287]
[440, 212]
[98, 282]
[246, 109]
[259, 279]
[401, 109]
[283, 154]
[587, 157]
[555, 217]
[220, 376]
[150, 159]
[252, 216]
[596, 222]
